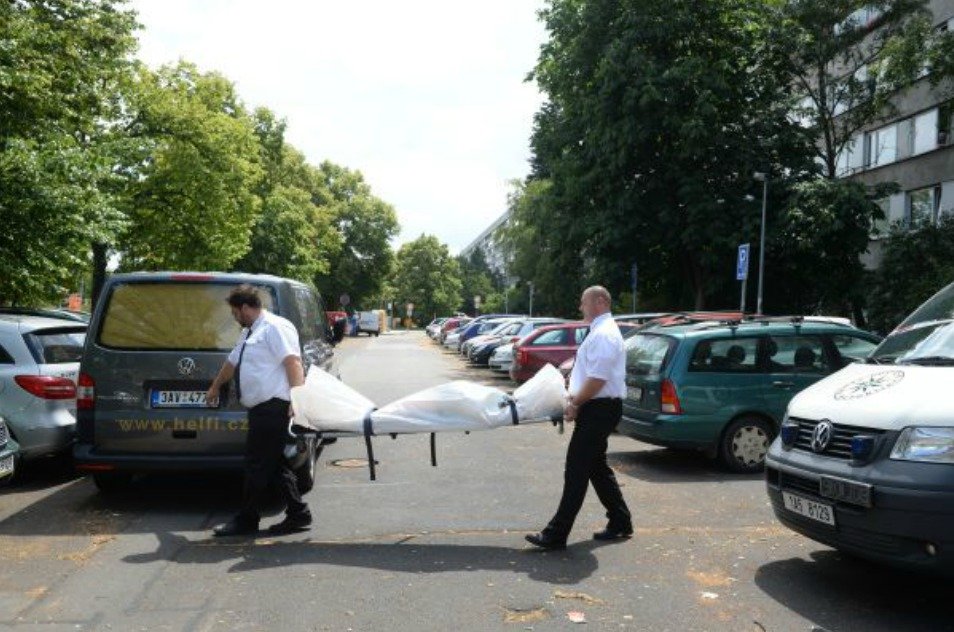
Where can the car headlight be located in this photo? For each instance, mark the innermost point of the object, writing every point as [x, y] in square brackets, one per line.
[930, 445]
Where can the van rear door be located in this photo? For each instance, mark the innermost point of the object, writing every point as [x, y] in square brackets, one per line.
[153, 352]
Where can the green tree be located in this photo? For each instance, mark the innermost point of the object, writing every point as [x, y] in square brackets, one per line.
[61, 63]
[814, 256]
[916, 264]
[426, 275]
[367, 225]
[478, 279]
[846, 60]
[192, 192]
[649, 142]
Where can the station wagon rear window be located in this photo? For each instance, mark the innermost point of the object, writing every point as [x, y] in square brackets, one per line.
[172, 316]
[57, 346]
[646, 354]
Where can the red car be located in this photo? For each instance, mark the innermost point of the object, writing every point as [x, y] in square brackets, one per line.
[548, 345]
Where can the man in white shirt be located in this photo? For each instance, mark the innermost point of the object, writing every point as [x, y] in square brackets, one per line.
[266, 364]
[597, 388]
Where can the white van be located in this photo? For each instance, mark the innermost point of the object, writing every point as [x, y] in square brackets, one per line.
[369, 323]
[864, 461]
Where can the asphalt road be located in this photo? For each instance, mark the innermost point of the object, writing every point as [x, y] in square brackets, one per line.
[426, 548]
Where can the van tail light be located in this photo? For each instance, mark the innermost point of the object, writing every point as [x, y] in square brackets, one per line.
[85, 393]
[670, 399]
[47, 386]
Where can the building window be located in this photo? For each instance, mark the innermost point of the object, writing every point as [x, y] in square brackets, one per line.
[922, 207]
[925, 132]
[884, 146]
[945, 122]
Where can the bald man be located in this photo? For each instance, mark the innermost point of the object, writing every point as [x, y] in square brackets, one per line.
[597, 388]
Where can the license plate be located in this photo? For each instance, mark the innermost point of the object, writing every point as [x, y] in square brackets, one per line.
[634, 392]
[6, 466]
[178, 399]
[819, 512]
[845, 491]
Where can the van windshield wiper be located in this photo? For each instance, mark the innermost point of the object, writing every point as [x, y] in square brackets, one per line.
[929, 361]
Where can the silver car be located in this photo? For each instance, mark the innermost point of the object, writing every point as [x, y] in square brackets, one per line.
[8, 451]
[502, 358]
[39, 366]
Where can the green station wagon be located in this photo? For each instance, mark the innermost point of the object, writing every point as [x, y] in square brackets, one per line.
[723, 387]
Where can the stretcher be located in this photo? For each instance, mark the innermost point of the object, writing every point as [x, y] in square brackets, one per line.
[330, 408]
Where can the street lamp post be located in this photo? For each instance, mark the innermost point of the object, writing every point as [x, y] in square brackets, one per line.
[762, 177]
[530, 283]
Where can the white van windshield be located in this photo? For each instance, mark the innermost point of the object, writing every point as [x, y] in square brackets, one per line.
[171, 316]
[925, 337]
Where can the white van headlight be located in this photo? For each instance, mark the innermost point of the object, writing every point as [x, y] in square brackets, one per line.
[931, 445]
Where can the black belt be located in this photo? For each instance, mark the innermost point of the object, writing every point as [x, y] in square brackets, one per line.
[603, 399]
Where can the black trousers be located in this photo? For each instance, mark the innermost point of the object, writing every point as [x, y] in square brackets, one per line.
[266, 469]
[586, 463]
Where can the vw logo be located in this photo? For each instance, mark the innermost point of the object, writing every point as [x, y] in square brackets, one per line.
[186, 366]
[821, 436]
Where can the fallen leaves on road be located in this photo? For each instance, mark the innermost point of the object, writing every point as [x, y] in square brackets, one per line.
[525, 615]
[581, 596]
[714, 579]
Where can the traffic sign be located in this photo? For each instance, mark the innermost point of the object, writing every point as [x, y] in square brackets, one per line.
[742, 263]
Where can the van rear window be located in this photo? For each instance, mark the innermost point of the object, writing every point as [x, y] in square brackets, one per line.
[172, 316]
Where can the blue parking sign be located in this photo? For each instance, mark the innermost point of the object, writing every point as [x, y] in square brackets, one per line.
[742, 263]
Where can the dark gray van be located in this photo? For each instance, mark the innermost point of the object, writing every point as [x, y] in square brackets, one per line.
[155, 343]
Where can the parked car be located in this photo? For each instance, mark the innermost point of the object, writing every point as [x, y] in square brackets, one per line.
[547, 345]
[502, 359]
[369, 323]
[434, 327]
[9, 451]
[865, 459]
[485, 329]
[481, 325]
[482, 350]
[39, 367]
[155, 343]
[64, 314]
[451, 325]
[723, 388]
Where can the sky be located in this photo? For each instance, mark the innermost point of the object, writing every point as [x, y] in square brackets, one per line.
[426, 98]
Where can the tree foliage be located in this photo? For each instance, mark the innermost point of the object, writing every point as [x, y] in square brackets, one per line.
[915, 266]
[426, 275]
[61, 65]
[367, 225]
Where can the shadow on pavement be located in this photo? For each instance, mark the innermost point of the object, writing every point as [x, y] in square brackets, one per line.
[560, 567]
[78, 508]
[662, 465]
[839, 592]
[41, 473]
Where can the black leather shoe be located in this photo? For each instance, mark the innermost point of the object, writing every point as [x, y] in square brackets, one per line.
[613, 533]
[235, 527]
[293, 523]
[548, 542]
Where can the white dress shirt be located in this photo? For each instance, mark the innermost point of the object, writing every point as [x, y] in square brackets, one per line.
[262, 375]
[603, 356]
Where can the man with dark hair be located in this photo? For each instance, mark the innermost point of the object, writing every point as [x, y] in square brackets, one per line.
[266, 364]
[597, 388]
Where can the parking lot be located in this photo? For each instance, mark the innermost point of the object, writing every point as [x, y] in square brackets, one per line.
[426, 548]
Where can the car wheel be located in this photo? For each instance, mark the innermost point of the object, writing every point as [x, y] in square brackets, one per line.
[308, 472]
[745, 443]
[112, 482]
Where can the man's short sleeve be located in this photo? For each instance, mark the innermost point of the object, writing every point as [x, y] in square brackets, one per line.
[283, 341]
[601, 356]
[234, 354]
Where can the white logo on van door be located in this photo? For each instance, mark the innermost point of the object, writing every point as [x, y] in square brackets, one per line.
[186, 366]
[869, 385]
